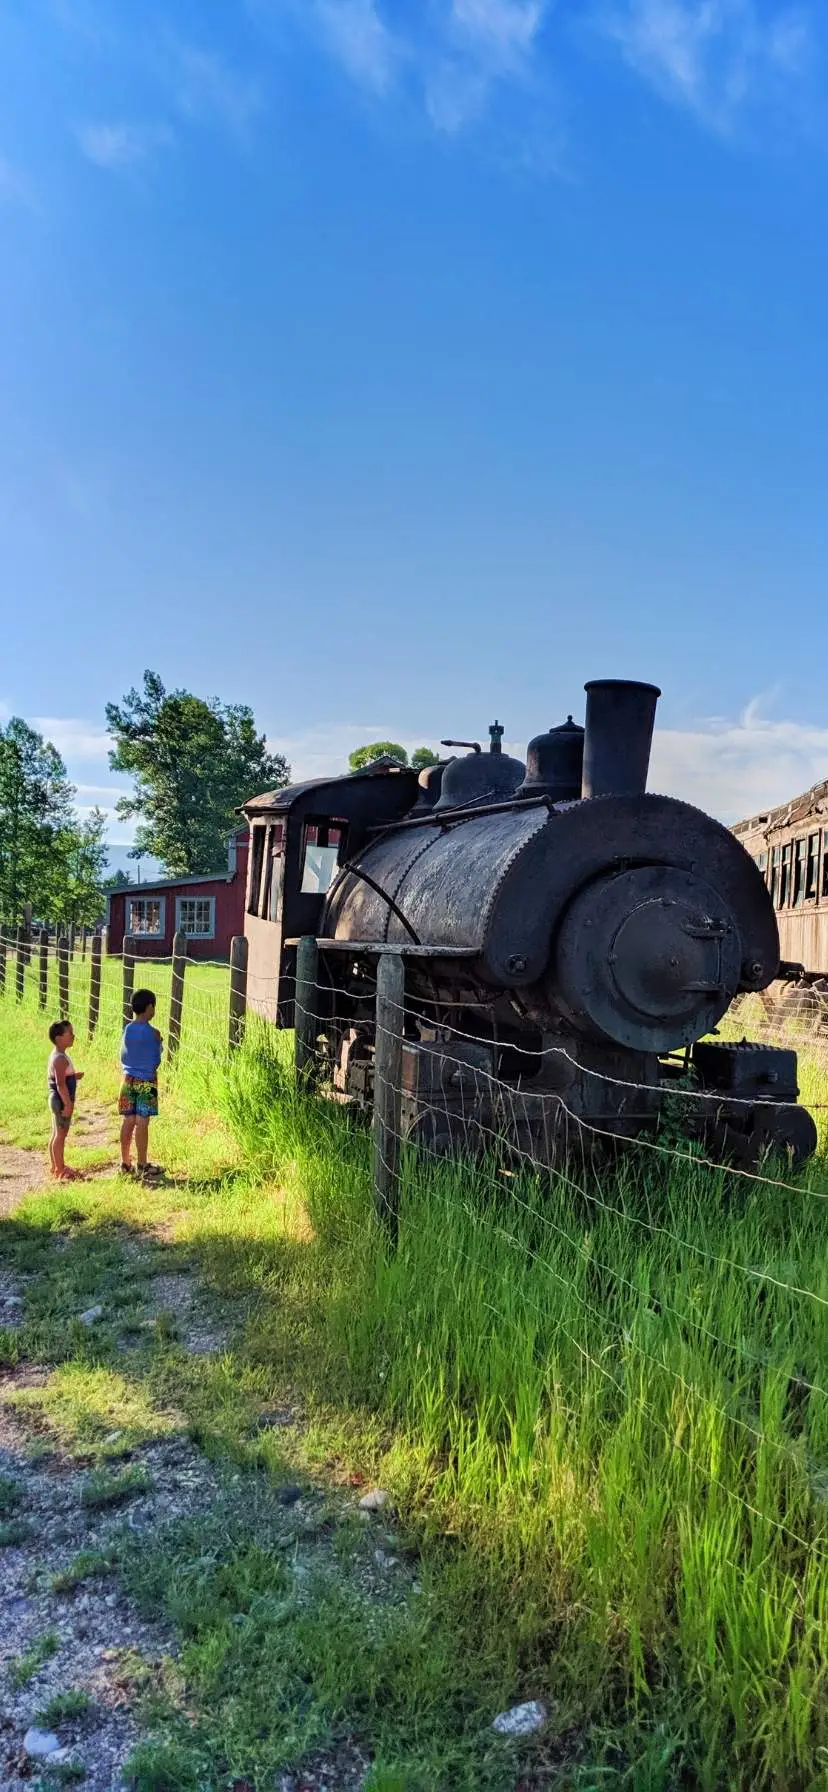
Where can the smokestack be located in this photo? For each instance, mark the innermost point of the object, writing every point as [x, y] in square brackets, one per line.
[619, 730]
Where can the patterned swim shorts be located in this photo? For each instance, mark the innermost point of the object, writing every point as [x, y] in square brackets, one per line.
[138, 1100]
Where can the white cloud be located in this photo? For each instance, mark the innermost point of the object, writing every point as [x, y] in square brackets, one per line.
[117, 146]
[357, 35]
[712, 56]
[209, 89]
[732, 768]
[78, 741]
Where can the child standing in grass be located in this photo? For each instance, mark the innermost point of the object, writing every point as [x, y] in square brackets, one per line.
[141, 1049]
[62, 1079]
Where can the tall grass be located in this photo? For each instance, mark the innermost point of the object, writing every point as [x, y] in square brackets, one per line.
[613, 1394]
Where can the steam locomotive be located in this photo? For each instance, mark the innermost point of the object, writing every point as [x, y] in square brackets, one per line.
[570, 941]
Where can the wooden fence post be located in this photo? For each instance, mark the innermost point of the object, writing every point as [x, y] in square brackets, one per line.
[95, 984]
[238, 990]
[2, 958]
[27, 923]
[306, 1022]
[43, 989]
[63, 976]
[388, 1051]
[129, 976]
[20, 964]
[179, 965]
[71, 939]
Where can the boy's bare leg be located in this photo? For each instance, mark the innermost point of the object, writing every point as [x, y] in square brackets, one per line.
[52, 1146]
[58, 1151]
[127, 1130]
[141, 1142]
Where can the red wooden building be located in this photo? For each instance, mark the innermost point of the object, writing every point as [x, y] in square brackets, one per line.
[209, 910]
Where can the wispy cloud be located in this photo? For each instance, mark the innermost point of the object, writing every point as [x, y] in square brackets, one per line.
[483, 42]
[501, 31]
[358, 36]
[117, 146]
[209, 89]
[713, 56]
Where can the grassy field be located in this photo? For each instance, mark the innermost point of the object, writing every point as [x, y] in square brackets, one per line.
[600, 1409]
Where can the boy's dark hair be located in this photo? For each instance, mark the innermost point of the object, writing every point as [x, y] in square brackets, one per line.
[57, 1027]
[141, 1001]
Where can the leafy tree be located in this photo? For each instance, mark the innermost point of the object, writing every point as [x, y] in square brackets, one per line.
[193, 763]
[115, 880]
[35, 819]
[80, 863]
[391, 749]
[377, 749]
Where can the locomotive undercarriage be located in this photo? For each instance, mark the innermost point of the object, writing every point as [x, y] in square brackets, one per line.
[475, 1077]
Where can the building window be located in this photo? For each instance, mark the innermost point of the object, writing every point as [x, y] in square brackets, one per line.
[825, 862]
[774, 875]
[196, 916]
[257, 846]
[785, 876]
[812, 872]
[145, 917]
[324, 841]
[800, 850]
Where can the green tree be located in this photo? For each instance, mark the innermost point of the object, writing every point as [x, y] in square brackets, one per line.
[377, 749]
[423, 756]
[193, 763]
[35, 817]
[80, 866]
[115, 880]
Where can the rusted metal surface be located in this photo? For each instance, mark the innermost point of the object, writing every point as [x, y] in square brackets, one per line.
[555, 950]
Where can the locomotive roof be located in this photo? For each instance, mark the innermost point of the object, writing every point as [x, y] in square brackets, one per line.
[276, 801]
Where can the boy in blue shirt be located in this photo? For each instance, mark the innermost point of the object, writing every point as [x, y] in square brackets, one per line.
[141, 1049]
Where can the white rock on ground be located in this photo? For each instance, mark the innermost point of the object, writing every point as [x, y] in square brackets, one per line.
[40, 1744]
[374, 1501]
[90, 1316]
[521, 1720]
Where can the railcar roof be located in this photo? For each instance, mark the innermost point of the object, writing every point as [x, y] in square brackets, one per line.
[798, 808]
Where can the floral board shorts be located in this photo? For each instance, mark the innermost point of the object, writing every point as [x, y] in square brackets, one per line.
[138, 1100]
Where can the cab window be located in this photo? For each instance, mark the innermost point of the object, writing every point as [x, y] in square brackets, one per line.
[322, 854]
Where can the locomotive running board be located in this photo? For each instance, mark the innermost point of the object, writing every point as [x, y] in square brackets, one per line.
[406, 947]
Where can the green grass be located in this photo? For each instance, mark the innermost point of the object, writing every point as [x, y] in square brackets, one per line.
[103, 1489]
[598, 1407]
[22, 1668]
[64, 1707]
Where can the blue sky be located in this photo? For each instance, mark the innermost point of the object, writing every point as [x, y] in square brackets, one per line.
[389, 364]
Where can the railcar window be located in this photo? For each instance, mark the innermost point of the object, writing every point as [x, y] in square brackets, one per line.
[774, 875]
[800, 847]
[257, 846]
[785, 876]
[812, 873]
[324, 841]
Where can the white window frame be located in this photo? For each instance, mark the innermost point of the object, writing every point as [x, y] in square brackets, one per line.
[211, 933]
[157, 933]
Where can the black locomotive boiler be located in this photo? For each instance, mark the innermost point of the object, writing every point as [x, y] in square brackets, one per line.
[570, 941]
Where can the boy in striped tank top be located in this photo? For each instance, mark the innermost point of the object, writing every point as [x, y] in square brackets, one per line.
[62, 1079]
